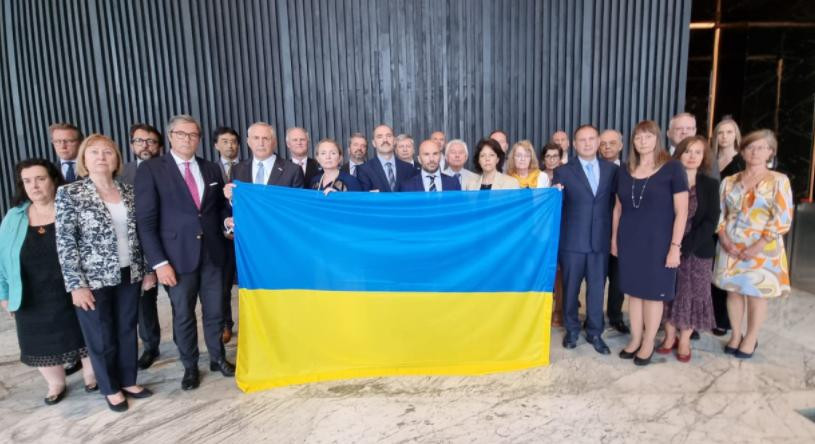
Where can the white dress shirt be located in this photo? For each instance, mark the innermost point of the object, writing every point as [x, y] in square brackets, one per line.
[196, 173]
[268, 164]
[436, 178]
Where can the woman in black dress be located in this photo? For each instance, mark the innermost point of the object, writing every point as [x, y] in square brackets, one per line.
[329, 156]
[647, 229]
[31, 286]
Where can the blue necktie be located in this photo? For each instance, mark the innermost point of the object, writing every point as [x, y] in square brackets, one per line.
[260, 174]
[592, 178]
[70, 175]
[391, 177]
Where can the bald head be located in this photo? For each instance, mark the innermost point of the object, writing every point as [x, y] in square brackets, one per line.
[611, 143]
[429, 155]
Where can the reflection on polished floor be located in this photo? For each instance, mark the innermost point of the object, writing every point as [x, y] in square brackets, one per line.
[581, 397]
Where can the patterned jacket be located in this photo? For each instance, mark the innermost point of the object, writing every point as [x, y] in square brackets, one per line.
[86, 238]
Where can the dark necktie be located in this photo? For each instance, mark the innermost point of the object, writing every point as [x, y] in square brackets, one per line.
[229, 166]
[70, 174]
[432, 186]
[391, 177]
[458, 177]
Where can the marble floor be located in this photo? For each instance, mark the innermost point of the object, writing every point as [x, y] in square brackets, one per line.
[580, 397]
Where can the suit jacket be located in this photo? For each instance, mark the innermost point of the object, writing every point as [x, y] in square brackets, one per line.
[344, 182]
[284, 173]
[700, 240]
[223, 169]
[416, 183]
[128, 175]
[13, 231]
[171, 228]
[371, 174]
[586, 218]
[312, 170]
[86, 237]
[500, 182]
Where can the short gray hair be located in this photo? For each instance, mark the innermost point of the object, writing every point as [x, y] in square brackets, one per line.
[680, 115]
[403, 137]
[261, 123]
[181, 118]
[288, 131]
[457, 142]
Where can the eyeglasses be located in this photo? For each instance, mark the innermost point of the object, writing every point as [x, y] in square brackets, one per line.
[757, 147]
[64, 141]
[186, 135]
[151, 142]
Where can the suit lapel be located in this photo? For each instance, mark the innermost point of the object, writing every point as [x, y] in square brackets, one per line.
[581, 175]
[207, 179]
[379, 169]
[277, 171]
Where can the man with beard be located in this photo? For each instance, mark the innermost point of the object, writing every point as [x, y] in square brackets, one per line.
[146, 143]
[384, 172]
[430, 177]
[357, 153]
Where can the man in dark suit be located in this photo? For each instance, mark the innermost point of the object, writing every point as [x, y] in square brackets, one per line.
[297, 143]
[145, 142]
[588, 185]
[65, 138]
[384, 172]
[357, 153]
[227, 143]
[430, 177]
[265, 167]
[181, 214]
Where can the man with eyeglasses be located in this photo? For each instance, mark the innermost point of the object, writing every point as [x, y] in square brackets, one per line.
[180, 215]
[680, 127]
[65, 138]
[226, 141]
[145, 142]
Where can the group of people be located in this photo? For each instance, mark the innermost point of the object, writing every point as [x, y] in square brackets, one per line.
[88, 241]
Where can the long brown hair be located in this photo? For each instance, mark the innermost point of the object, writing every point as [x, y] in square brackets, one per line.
[661, 155]
[707, 155]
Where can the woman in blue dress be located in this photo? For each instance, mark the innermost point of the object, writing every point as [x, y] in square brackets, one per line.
[647, 230]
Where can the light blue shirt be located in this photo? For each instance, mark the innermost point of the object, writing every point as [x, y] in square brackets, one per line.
[594, 181]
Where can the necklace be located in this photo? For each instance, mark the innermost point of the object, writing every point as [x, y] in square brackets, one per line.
[636, 204]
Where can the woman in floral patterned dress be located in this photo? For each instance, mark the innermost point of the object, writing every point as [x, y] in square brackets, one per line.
[751, 264]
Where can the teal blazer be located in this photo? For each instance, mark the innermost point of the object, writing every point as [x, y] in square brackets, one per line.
[12, 234]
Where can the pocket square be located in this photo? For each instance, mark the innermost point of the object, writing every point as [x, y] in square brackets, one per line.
[213, 184]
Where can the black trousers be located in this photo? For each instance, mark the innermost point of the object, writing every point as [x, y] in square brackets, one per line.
[228, 281]
[206, 282]
[614, 305]
[149, 328]
[110, 334]
[720, 307]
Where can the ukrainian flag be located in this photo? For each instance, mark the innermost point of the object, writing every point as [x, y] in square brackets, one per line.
[373, 284]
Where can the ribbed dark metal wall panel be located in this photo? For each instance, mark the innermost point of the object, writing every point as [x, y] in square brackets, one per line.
[337, 66]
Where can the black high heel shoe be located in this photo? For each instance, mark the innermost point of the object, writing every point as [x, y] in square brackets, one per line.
[743, 355]
[643, 361]
[118, 408]
[55, 399]
[628, 355]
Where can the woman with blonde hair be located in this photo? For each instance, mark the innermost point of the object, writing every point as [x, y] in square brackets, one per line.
[647, 229]
[103, 266]
[751, 263]
[523, 166]
[725, 146]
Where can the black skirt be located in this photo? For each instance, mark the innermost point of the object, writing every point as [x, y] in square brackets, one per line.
[47, 328]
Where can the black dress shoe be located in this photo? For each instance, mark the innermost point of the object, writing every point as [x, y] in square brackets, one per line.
[73, 368]
[190, 380]
[90, 388]
[570, 341]
[55, 399]
[620, 327]
[599, 345]
[719, 331]
[694, 336]
[643, 361]
[147, 359]
[225, 367]
[144, 393]
[118, 408]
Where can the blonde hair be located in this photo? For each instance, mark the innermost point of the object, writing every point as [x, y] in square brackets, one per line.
[714, 143]
[93, 139]
[661, 155]
[533, 158]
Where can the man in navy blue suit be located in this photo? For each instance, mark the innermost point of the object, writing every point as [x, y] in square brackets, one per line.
[430, 177]
[180, 215]
[384, 172]
[588, 185]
